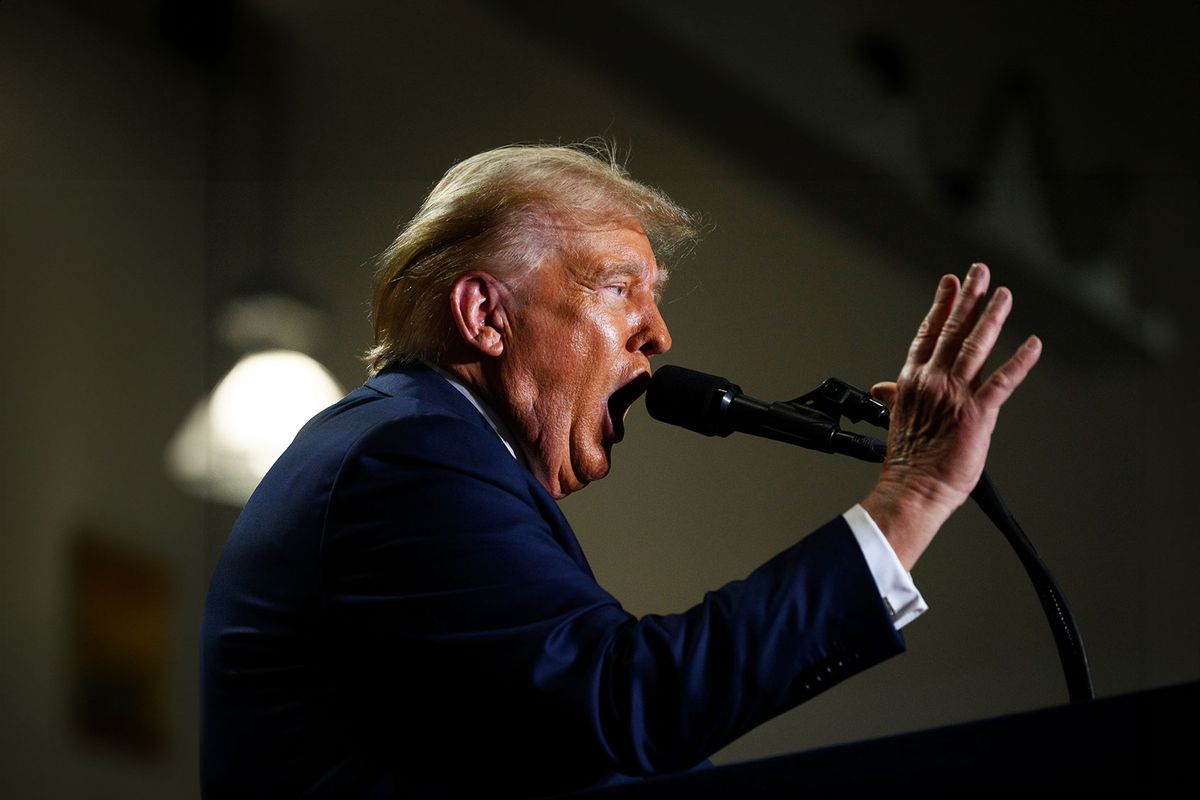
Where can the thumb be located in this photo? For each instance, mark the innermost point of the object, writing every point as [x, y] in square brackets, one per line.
[884, 392]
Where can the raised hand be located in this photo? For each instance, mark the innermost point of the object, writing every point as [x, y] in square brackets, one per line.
[944, 411]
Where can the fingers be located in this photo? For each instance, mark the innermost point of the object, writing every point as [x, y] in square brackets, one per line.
[958, 334]
[1001, 383]
[979, 342]
[962, 318]
[931, 327]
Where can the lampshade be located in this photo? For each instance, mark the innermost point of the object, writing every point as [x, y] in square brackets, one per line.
[233, 436]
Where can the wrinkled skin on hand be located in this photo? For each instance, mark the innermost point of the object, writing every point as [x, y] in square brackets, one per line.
[944, 411]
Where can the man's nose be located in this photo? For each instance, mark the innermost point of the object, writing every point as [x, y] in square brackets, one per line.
[654, 337]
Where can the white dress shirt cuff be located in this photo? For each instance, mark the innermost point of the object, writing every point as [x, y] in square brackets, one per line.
[896, 586]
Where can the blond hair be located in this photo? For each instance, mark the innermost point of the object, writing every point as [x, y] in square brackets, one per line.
[492, 212]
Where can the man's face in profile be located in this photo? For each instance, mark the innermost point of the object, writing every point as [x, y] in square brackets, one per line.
[578, 352]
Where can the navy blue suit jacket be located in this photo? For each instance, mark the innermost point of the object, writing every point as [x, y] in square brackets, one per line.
[402, 610]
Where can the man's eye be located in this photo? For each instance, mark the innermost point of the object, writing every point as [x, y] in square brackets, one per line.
[618, 289]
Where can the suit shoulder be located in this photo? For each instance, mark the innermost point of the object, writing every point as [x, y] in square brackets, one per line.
[406, 427]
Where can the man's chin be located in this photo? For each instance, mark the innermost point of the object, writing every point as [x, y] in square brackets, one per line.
[583, 472]
[582, 465]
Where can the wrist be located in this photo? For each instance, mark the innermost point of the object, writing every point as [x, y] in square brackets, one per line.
[908, 518]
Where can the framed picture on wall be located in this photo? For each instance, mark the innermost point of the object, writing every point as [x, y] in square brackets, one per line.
[120, 646]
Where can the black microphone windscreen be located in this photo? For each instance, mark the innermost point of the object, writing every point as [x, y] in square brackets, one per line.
[690, 399]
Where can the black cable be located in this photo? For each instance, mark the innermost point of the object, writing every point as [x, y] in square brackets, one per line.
[1054, 603]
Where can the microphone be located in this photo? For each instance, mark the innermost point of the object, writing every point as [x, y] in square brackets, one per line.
[716, 406]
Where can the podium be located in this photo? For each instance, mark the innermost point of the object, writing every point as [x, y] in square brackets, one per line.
[1125, 746]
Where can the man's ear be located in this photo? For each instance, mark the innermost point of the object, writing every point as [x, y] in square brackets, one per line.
[477, 303]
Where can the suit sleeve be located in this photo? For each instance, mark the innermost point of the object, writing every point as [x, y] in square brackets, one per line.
[455, 599]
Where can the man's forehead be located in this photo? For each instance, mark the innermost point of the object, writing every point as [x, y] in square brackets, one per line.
[623, 250]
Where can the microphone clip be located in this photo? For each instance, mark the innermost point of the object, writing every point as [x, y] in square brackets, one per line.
[835, 398]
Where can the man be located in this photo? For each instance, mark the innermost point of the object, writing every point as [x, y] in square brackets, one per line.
[402, 610]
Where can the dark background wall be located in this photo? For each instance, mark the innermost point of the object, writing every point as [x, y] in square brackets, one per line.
[158, 158]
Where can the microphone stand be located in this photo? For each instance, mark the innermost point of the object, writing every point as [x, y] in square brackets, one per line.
[835, 399]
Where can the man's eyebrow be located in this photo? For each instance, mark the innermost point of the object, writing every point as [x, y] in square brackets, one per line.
[637, 271]
[660, 283]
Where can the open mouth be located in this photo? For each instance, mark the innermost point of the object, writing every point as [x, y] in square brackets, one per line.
[620, 401]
